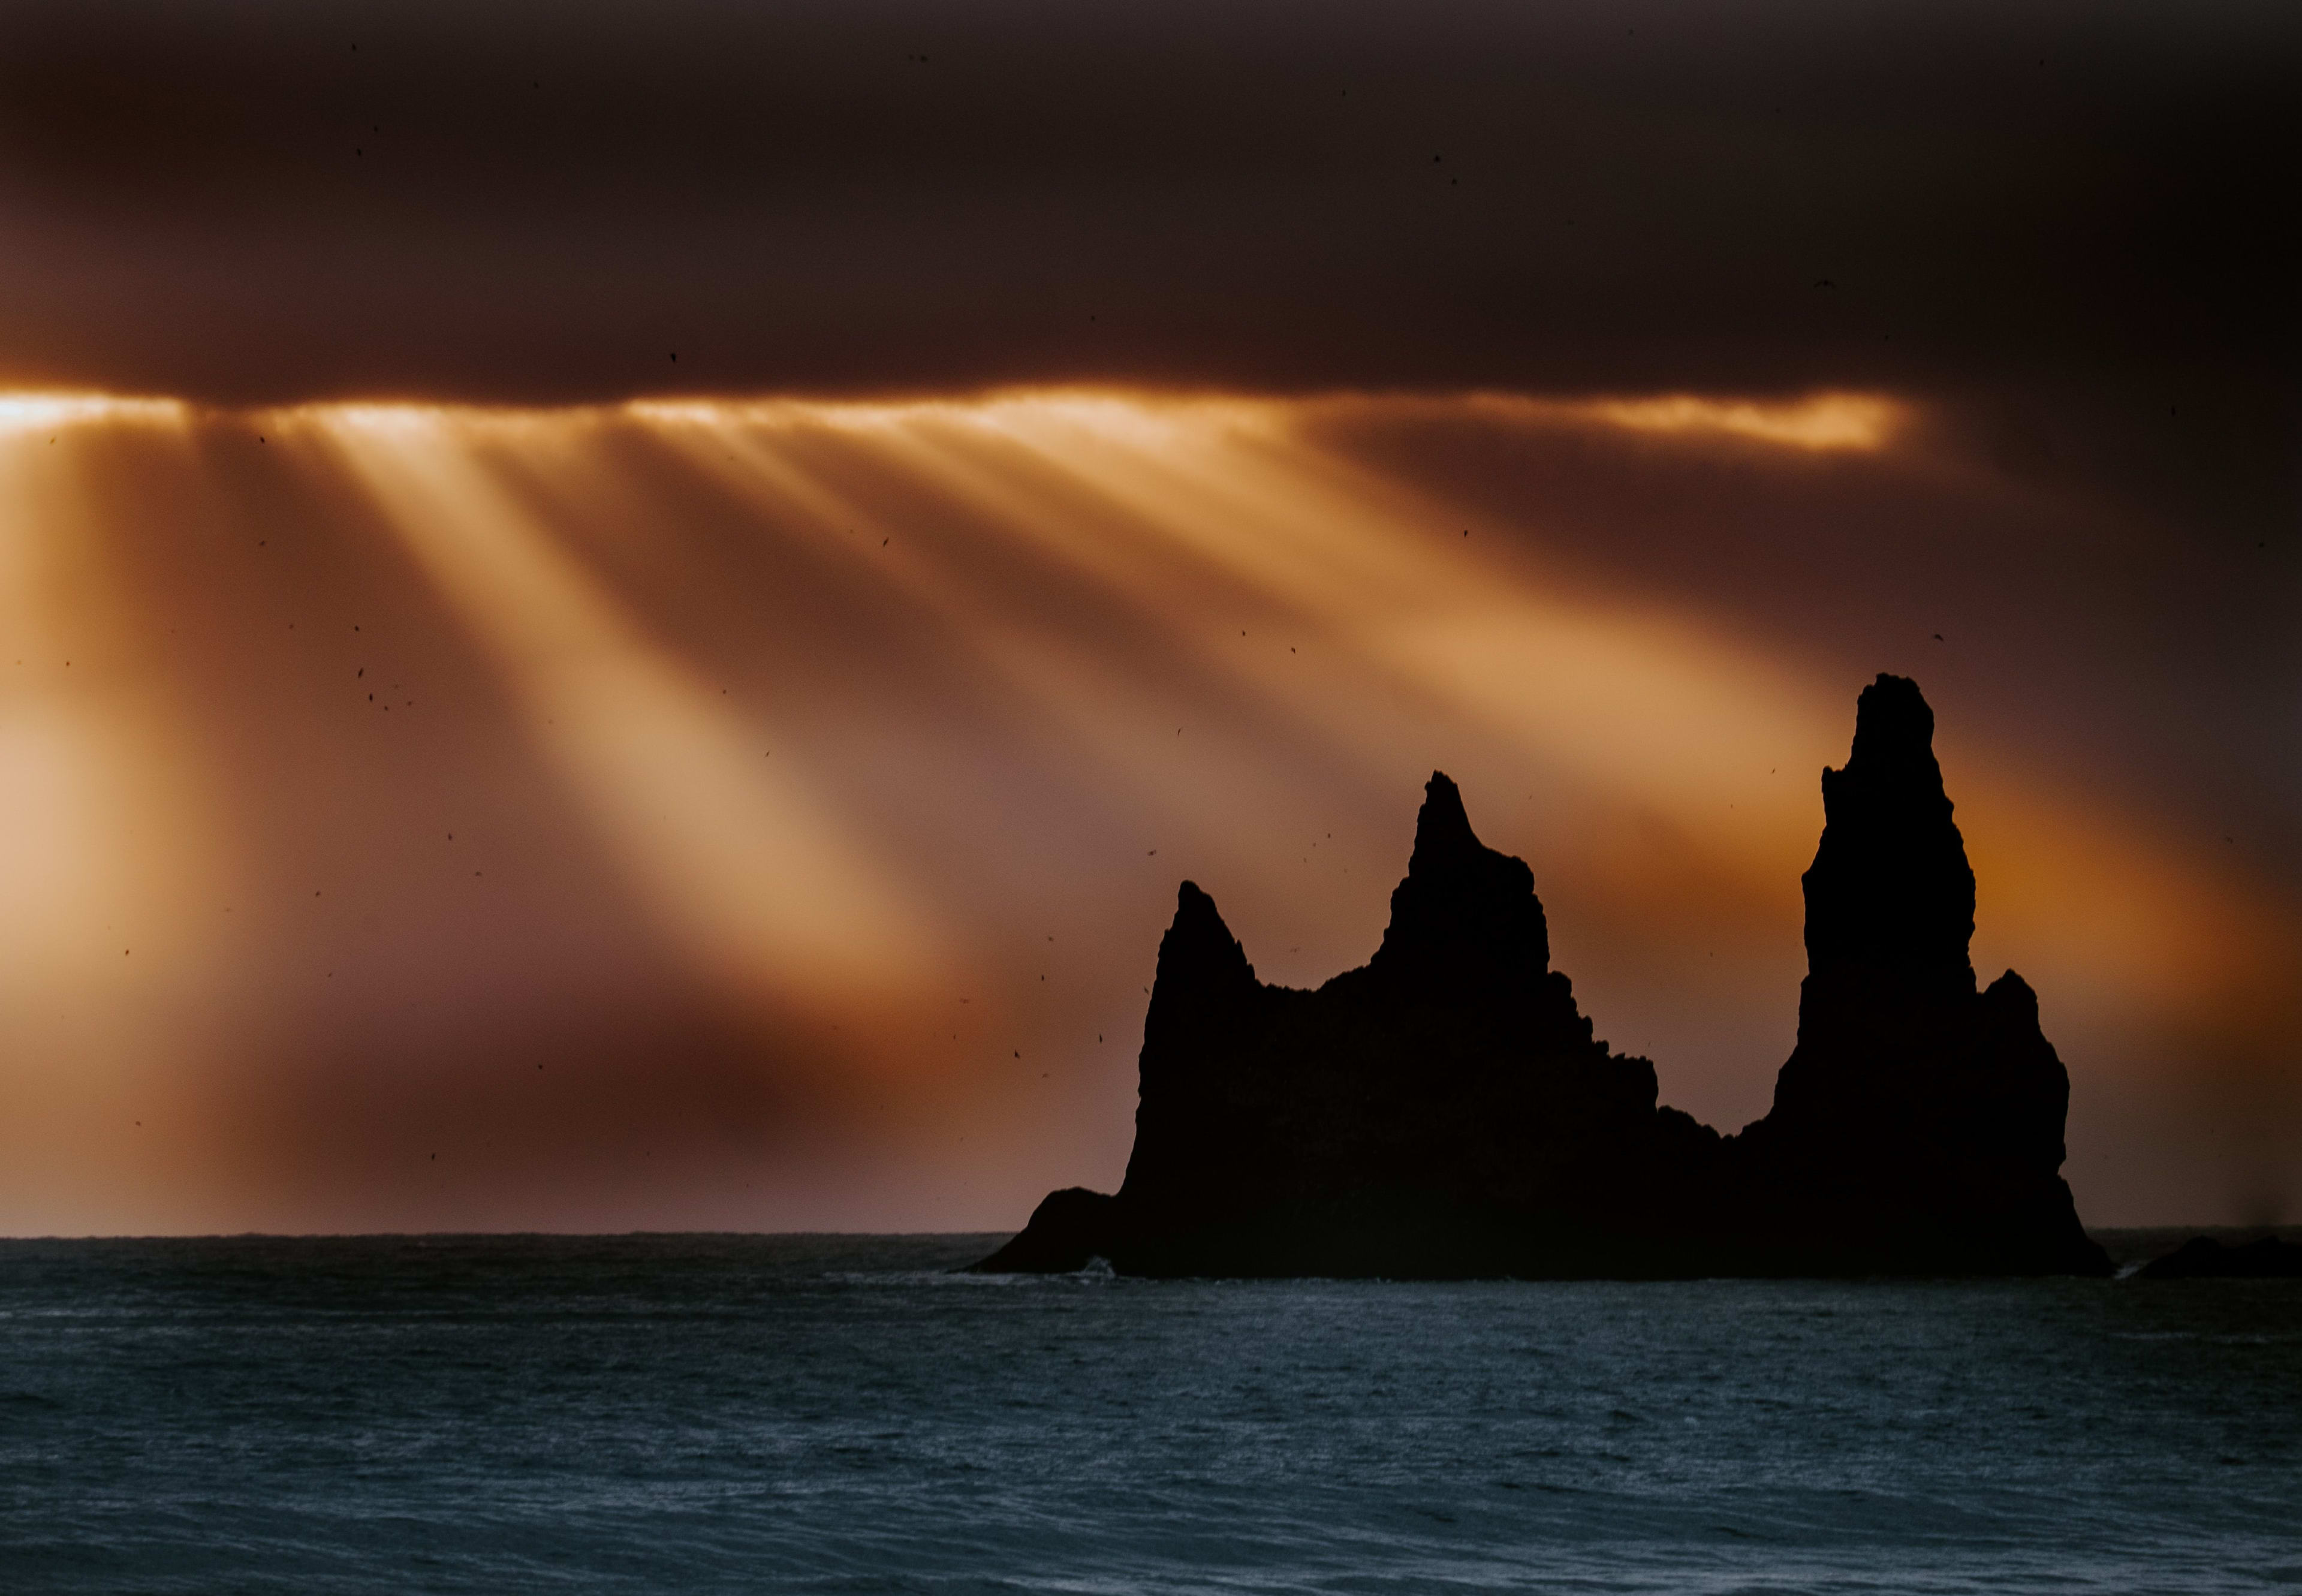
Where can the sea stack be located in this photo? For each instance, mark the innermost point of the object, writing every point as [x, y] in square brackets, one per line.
[1442, 1111]
[1917, 1126]
[1446, 1112]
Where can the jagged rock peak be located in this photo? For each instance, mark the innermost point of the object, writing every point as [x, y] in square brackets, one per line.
[1890, 886]
[1443, 837]
[1465, 913]
[1894, 729]
[1199, 951]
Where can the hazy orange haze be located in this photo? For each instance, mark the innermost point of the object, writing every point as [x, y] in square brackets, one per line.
[762, 814]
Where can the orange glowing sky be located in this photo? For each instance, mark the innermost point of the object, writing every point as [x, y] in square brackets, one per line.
[626, 614]
[761, 814]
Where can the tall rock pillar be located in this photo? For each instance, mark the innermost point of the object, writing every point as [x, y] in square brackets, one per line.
[1919, 1123]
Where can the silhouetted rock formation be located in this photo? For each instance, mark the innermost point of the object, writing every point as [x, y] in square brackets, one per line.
[1445, 1110]
[1918, 1125]
[2202, 1257]
[1065, 1234]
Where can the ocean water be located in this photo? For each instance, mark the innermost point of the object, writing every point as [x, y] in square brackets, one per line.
[739, 1414]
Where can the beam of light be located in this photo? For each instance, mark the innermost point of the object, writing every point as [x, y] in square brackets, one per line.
[1636, 702]
[758, 879]
[110, 849]
[1193, 510]
[1027, 657]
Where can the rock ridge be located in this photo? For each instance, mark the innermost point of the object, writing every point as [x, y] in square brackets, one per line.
[1445, 1110]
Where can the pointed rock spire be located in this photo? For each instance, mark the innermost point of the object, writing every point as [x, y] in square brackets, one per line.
[1443, 838]
[1201, 964]
[1198, 943]
[1204, 996]
[1890, 887]
[1918, 1123]
[1464, 914]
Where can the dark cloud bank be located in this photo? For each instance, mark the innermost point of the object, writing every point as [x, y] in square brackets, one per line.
[543, 202]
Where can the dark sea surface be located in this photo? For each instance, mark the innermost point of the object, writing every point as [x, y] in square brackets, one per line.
[836, 1413]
